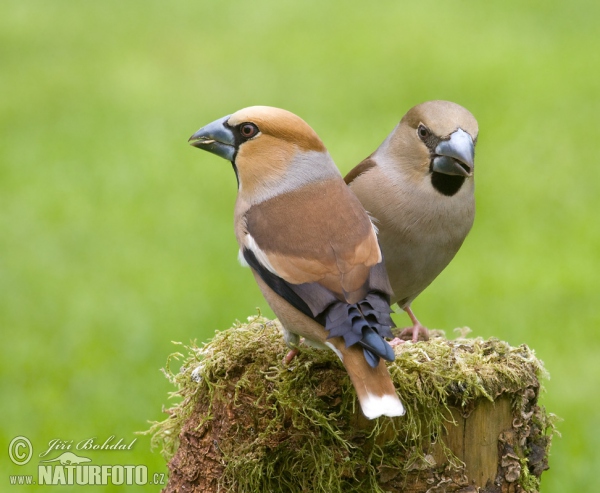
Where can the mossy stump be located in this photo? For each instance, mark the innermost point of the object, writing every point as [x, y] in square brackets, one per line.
[247, 423]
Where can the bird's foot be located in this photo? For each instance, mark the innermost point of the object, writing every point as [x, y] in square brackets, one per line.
[396, 341]
[290, 356]
[415, 333]
[293, 352]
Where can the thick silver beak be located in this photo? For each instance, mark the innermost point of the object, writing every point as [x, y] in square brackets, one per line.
[215, 137]
[455, 156]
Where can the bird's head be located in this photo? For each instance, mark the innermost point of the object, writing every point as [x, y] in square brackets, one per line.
[269, 148]
[436, 139]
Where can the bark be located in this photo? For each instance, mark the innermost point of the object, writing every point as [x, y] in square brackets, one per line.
[241, 431]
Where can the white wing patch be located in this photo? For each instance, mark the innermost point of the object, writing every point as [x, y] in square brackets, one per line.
[335, 350]
[242, 260]
[261, 256]
[373, 221]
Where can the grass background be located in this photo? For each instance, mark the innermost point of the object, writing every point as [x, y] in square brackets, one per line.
[116, 237]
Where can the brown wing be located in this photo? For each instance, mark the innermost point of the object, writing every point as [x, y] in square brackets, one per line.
[359, 169]
[317, 233]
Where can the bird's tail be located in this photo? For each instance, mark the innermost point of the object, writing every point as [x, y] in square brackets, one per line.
[374, 387]
[365, 323]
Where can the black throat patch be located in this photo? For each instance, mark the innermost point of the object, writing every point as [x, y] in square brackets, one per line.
[446, 184]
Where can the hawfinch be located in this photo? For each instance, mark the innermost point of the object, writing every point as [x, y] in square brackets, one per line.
[310, 244]
[418, 188]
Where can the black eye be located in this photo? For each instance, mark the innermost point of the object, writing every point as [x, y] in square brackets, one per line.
[423, 132]
[248, 130]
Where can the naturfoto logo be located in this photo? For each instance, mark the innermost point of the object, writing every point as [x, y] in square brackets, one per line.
[88, 444]
[71, 471]
[68, 459]
[70, 468]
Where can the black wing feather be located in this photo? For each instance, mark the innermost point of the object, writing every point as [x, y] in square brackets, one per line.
[365, 323]
[277, 284]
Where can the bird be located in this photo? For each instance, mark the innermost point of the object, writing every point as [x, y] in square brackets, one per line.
[418, 186]
[310, 245]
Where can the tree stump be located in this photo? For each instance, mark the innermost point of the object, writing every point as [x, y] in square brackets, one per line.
[247, 423]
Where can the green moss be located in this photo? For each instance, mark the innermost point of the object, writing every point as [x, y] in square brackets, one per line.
[239, 374]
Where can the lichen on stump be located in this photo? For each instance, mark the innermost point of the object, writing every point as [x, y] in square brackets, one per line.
[247, 423]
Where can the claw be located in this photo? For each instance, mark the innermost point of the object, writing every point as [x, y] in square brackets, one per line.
[290, 356]
[396, 341]
[292, 342]
[413, 333]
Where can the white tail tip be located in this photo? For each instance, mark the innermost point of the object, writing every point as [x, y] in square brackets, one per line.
[374, 406]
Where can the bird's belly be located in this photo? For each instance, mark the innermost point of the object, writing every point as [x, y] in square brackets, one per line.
[294, 323]
[413, 264]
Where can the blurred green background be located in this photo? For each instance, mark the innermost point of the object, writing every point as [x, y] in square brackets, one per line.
[116, 237]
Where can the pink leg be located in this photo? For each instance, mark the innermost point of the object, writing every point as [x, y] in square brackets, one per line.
[411, 333]
[290, 356]
[416, 329]
[294, 342]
